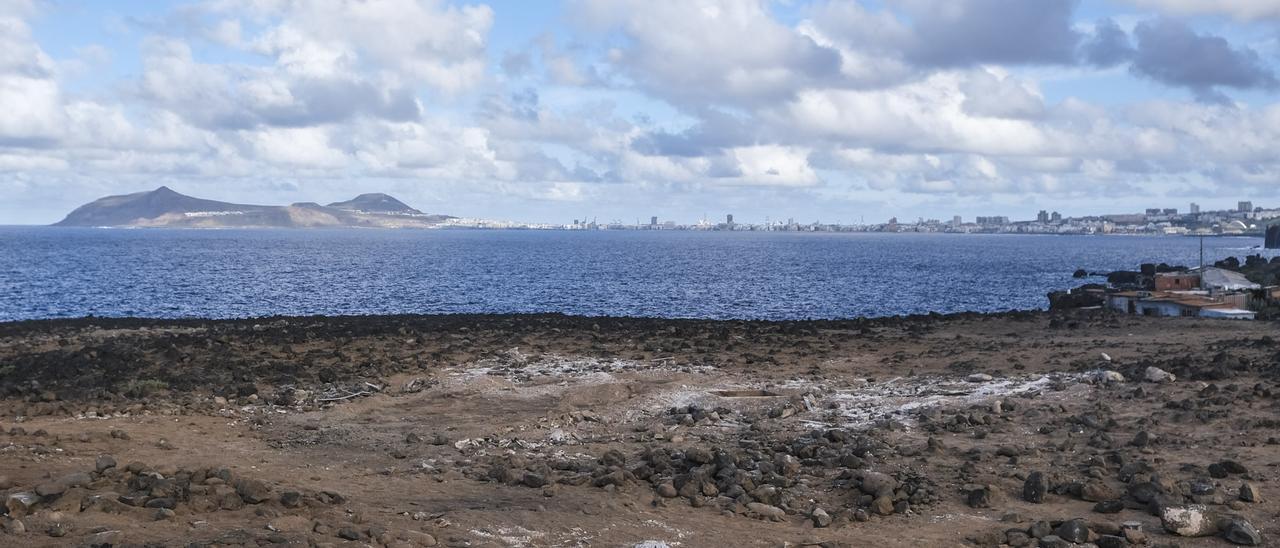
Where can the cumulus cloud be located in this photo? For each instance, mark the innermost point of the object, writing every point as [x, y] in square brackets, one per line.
[747, 103]
[968, 32]
[27, 86]
[1108, 46]
[1240, 9]
[1172, 53]
[698, 51]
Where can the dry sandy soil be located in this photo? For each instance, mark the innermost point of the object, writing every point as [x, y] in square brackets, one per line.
[561, 431]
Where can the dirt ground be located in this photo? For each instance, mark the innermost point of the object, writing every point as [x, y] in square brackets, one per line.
[562, 431]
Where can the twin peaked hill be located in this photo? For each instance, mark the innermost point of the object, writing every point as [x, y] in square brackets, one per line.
[163, 207]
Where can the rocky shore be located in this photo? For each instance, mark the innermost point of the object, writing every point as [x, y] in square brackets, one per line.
[1076, 428]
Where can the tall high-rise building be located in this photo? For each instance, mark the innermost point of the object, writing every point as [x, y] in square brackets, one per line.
[1042, 217]
[1244, 207]
[1055, 217]
[728, 219]
[1195, 208]
[653, 221]
[956, 221]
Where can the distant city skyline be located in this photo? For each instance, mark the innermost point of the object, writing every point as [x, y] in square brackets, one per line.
[617, 109]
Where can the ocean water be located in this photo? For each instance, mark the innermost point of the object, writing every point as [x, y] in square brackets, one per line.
[71, 272]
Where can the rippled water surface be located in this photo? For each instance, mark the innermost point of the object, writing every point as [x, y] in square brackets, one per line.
[62, 272]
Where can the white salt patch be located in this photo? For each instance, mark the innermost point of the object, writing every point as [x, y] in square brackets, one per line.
[514, 535]
[901, 396]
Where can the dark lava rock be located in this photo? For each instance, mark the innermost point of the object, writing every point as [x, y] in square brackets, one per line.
[1034, 489]
[1239, 531]
[978, 496]
[1249, 493]
[1109, 507]
[1111, 541]
[1073, 531]
[162, 502]
[291, 499]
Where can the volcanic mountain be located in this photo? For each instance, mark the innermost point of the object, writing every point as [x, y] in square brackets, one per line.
[164, 207]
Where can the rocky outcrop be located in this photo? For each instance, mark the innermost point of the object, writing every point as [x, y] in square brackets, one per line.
[164, 207]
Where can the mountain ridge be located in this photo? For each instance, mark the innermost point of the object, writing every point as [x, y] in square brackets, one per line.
[165, 207]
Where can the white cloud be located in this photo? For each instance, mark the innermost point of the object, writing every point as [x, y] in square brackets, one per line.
[717, 100]
[422, 41]
[31, 95]
[711, 50]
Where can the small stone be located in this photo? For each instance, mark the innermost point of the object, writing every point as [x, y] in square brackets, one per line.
[348, 533]
[291, 524]
[1097, 491]
[57, 530]
[104, 463]
[882, 505]
[12, 526]
[1111, 541]
[979, 377]
[1054, 541]
[1109, 507]
[161, 502]
[291, 499]
[419, 538]
[1034, 488]
[667, 490]
[978, 496]
[531, 479]
[1249, 493]
[1157, 375]
[1142, 439]
[1073, 531]
[21, 504]
[105, 538]
[820, 518]
[163, 514]
[253, 491]
[766, 511]
[878, 484]
[1017, 539]
[1040, 529]
[1108, 377]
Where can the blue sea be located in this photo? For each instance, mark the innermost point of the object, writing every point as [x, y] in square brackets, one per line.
[71, 272]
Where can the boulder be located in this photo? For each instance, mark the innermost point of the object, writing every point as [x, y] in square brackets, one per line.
[1189, 520]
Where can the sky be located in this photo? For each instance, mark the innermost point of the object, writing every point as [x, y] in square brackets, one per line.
[538, 111]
